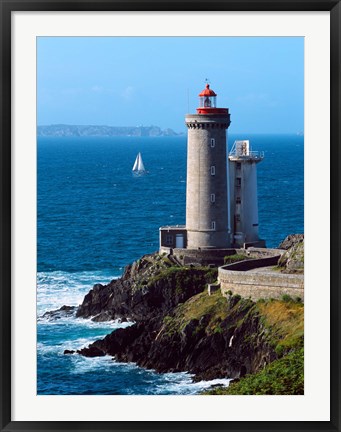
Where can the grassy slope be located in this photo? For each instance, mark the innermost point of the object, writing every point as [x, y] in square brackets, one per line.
[283, 322]
[284, 376]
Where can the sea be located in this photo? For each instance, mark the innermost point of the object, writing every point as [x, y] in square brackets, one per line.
[95, 217]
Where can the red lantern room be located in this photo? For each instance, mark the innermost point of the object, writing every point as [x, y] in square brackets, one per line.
[207, 102]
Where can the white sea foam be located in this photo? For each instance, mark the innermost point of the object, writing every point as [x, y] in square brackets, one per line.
[83, 365]
[58, 288]
[181, 383]
[48, 349]
[84, 322]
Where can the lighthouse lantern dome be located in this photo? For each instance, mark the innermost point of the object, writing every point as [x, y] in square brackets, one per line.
[207, 98]
[208, 103]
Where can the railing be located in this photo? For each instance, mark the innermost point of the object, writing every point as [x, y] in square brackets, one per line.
[250, 154]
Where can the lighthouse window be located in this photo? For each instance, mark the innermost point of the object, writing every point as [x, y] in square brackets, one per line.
[238, 200]
[213, 225]
[212, 170]
[238, 181]
[212, 142]
[212, 198]
[238, 218]
[239, 165]
[169, 239]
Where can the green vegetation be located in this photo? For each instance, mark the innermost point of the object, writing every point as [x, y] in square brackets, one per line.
[284, 321]
[214, 307]
[183, 277]
[286, 298]
[230, 259]
[220, 313]
[154, 268]
[281, 377]
[281, 324]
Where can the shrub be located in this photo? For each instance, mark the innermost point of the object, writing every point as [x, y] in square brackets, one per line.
[230, 259]
[218, 329]
[234, 299]
[281, 377]
[286, 298]
[279, 350]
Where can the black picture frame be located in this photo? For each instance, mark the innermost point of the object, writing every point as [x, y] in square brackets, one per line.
[9, 6]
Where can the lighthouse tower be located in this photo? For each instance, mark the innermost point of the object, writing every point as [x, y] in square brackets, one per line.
[244, 202]
[206, 195]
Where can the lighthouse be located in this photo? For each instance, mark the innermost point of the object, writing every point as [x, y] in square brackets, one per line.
[221, 190]
[206, 194]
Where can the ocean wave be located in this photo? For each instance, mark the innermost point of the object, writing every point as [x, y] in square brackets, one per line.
[83, 365]
[58, 288]
[58, 347]
[73, 333]
[147, 381]
[84, 322]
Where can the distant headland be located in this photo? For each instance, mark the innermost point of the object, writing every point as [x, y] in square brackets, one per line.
[63, 130]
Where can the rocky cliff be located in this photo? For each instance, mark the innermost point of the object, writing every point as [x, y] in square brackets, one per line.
[292, 261]
[179, 327]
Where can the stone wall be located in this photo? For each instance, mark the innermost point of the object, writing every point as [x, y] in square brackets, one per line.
[202, 256]
[258, 285]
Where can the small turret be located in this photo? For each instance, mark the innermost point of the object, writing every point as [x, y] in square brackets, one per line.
[243, 194]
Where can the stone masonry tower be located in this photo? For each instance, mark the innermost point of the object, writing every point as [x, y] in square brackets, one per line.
[206, 195]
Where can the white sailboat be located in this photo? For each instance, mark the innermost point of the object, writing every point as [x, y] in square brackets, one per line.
[138, 167]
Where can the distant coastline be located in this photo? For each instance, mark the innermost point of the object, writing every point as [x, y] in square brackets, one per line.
[63, 130]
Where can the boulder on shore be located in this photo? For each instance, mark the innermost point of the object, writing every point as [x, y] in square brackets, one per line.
[292, 261]
[63, 312]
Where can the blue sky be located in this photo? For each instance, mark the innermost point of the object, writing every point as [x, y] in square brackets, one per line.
[131, 81]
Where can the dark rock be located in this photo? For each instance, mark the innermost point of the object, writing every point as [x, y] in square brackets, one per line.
[207, 355]
[69, 351]
[63, 312]
[231, 345]
[91, 351]
[102, 317]
[141, 293]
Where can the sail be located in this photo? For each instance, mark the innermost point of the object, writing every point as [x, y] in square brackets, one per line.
[138, 166]
[136, 163]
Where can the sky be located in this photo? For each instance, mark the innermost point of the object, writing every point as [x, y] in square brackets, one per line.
[134, 81]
